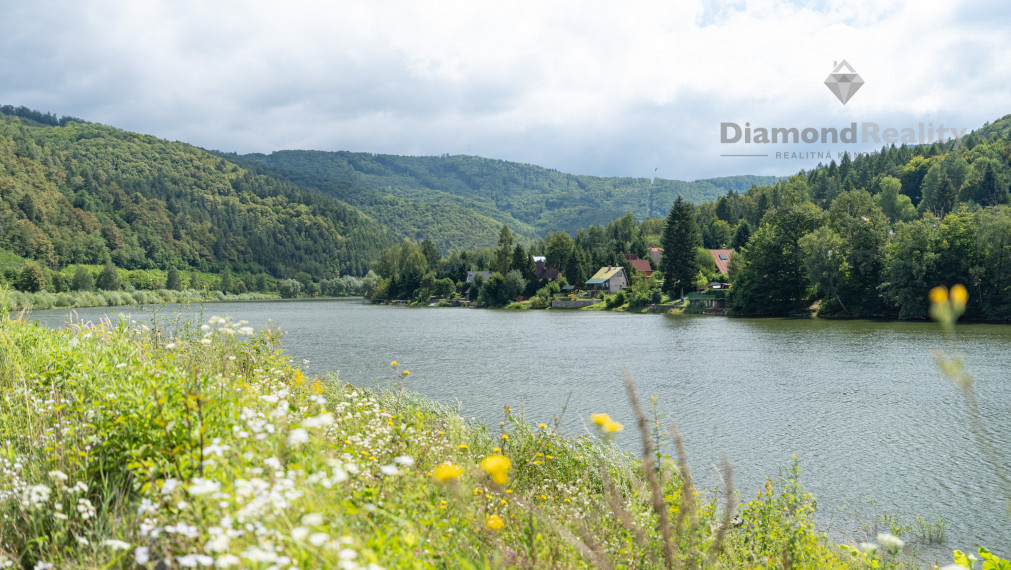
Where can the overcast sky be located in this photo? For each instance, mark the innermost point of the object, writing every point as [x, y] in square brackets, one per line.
[587, 87]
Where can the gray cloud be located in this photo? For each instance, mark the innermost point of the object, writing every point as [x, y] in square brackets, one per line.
[584, 88]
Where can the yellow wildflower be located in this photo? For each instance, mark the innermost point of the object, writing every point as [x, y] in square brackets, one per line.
[405, 373]
[494, 522]
[600, 419]
[505, 436]
[938, 295]
[612, 426]
[463, 446]
[498, 467]
[478, 491]
[542, 426]
[959, 296]
[393, 364]
[447, 472]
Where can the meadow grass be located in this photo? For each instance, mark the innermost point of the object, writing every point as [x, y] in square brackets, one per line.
[188, 444]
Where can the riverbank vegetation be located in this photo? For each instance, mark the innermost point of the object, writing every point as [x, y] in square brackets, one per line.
[187, 444]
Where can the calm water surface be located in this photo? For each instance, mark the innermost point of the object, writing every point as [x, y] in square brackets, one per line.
[861, 404]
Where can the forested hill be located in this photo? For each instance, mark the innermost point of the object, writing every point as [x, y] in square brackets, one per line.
[74, 192]
[541, 199]
[868, 237]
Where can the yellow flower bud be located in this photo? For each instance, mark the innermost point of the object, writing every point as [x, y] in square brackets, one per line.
[938, 295]
[600, 419]
[959, 296]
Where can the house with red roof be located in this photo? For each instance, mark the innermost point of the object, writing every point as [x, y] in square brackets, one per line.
[722, 259]
[641, 265]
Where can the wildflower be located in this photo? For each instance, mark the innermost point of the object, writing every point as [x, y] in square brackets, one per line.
[959, 296]
[890, 541]
[81, 540]
[542, 426]
[141, 555]
[600, 419]
[324, 419]
[463, 446]
[313, 519]
[505, 437]
[170, 346]
[205, 341]
[393, 364]
[405, 373]
[203, 486]
[389, 470]
[57, 475]
[498, 467]
[405, 460]
[612, 426]
[447, 472]
[227, 560]
[116, 544]
[298, 436]
[347, 554]
[868, 547]
[168, 486]
[299, 533]
[494, 522]
[938, 295]
[319, 538]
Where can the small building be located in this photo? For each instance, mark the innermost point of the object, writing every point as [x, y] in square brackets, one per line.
[655, 253]
[722, 259]
[484, 274]
[641, 265]
[542, 270]
[608, 279]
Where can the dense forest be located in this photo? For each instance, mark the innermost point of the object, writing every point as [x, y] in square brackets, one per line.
[868, 237]
[81, 193]
[531, 200]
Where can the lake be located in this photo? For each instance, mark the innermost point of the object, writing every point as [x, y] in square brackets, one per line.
[860, 403]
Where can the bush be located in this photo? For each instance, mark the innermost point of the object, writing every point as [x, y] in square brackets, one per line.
[289, 288]
[31, 278]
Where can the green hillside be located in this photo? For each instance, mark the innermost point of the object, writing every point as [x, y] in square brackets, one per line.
[539, 198]
[74, 192]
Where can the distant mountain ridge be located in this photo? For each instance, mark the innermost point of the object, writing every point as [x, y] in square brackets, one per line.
[526, 197]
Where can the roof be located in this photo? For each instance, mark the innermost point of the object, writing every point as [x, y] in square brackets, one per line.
[544, 272]
[641, 265]
[603, 275]
[722, 259]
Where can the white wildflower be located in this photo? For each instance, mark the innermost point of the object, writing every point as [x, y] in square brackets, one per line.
[245, 331]
[81, 540]
[299, 533]
[324, 419]
[168, 486]
[389, 470]
[405, 460]
[347, 554]
[141, 555]
[868, 547]
[227, 561]
[319, 538]
[116, 544]
[205, 341]
[298, 436]
[200, 486]
[313, 519]
[57, 475]
[170, 346]
[890, 541]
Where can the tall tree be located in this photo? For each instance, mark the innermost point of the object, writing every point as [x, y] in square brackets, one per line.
[681, 237]
[108, 279]
[31, 279]
[431, 254]
[82, 281]
[503, 254]
[172, 281]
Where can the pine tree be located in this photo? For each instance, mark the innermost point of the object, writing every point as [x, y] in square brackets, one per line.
[226, 280]
[742, 236]
[681, 237]
[503, 255]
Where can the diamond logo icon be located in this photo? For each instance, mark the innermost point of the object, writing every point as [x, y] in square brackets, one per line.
[844, 81]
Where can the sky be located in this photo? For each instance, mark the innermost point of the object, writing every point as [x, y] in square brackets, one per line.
[603, 88]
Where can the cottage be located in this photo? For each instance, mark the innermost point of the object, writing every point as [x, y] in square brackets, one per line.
[608, 279]
[642, 266]
[484, 274]
[542, 270]
[722, 259]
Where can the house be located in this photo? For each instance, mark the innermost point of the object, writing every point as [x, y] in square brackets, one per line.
[722, 259]
[608, 279]
[655, 253]
[542, 270]
[485, 274]
[641, 265]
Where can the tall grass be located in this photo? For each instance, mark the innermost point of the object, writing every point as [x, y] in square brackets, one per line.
[126, 444]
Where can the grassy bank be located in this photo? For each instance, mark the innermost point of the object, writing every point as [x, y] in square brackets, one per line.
[42, 300]
[123, 446]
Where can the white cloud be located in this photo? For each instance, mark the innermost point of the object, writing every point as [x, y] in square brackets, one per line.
[585, 87]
